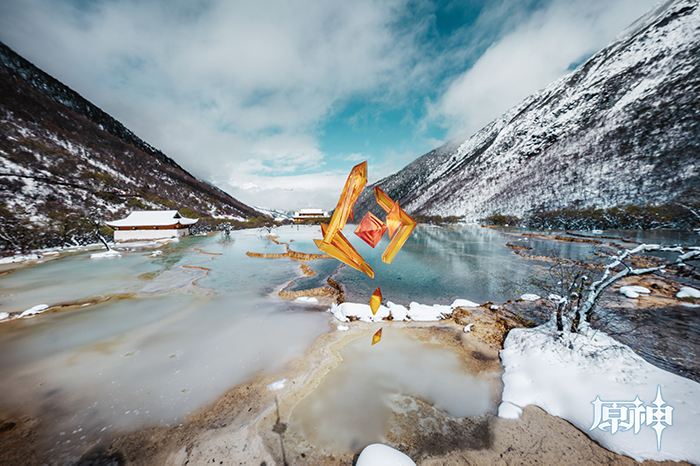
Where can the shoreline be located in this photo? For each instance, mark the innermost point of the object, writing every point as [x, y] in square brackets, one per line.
[249, 423]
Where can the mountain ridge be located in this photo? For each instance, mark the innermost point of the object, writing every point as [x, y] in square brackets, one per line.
[62, 174]
[623, 128]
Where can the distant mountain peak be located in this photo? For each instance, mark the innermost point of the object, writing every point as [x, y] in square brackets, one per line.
[623, 128]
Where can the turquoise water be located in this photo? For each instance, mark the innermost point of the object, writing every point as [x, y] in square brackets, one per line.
[165, 350]
[165, 347]
[439, 265]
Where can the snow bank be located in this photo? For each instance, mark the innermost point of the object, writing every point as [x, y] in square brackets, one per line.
[346, 312]
[105, 255]
[19, 258]
[382, 455]
[688, 292]
[38, 309]
[4, 315]
[307, 299]
[565, 375]
[633, 291]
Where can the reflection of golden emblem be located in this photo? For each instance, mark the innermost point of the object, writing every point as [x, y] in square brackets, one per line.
[377, 336]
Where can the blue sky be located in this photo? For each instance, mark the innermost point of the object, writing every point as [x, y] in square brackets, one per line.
[274, 101]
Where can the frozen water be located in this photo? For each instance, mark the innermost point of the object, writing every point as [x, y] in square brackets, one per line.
[150, 359]
[351, 407]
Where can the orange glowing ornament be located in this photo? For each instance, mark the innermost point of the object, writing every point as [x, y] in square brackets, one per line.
[334, 242]
[393, 219]
[376, 337]
[370, 229]
[375, 301]
[353, 187]
[404, 231]
[340, 248]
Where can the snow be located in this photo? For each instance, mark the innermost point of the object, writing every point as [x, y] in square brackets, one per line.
[307, 299]
[4, 315]
[628, 75]
[278, 385]
[688, 292]
[38, 309]
[564, 375]
[342, 328]
[382, 455]
[152, 218]
[346, 312]
[529, 297]
[468, 328]
[19, 258]
[508, 410]
[633, 291]
[106, 254]
[464, 303]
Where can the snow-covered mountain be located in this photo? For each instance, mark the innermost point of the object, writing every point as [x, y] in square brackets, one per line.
[624, 128]
[62, 159]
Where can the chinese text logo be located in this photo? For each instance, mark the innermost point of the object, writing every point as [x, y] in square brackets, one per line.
[611, 416]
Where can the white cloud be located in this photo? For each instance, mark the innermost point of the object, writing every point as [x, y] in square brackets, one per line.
[217, 81]
[241, 90]
[319, 190]
[537, 52]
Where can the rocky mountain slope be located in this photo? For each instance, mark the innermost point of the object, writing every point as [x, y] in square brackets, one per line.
[624, 128]
[65, 164]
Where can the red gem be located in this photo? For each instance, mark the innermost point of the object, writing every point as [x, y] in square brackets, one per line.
[370, 229]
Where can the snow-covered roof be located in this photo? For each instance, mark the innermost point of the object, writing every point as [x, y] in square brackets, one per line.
[311, 211]
[144, 218]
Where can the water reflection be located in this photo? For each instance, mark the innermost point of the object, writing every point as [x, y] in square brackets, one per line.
[351, 408]
[439, 265]
[95, 372]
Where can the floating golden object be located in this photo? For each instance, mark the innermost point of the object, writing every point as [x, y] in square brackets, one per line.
[406, 222]
[375, 301]
[376, 337]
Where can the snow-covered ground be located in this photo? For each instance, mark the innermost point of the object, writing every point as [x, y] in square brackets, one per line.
[416, 312]
[589, 379]
[598, 385]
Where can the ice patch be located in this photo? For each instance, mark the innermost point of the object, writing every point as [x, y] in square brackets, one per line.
[38, 309]
[688, 292]
[381, 455]
[105, 255]
[633, 291]
[278, 385]
[463, 303]
[508, 410]
[19, 258]
[307, 299]
[529, 297]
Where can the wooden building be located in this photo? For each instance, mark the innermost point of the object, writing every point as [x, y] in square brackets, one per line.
[149, 225]
[303, 215]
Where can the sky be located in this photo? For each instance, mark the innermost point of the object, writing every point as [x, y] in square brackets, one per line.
[274, 101]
